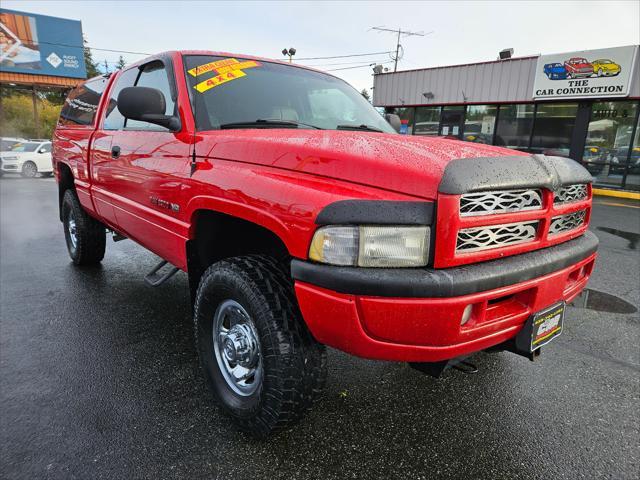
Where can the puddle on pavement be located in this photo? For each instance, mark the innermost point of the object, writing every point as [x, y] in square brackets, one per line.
[602, 302]
[632, 237]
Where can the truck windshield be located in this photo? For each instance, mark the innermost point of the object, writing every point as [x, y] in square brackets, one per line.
[238, 93]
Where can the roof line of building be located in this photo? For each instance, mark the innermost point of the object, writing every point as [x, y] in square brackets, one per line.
[509, 102]
[461, 65]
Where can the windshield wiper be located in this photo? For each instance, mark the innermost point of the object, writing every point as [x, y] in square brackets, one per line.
[267, 123]
[363, 127]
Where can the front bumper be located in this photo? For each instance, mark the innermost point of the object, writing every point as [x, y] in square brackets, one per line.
[10, 166]
[415, 315]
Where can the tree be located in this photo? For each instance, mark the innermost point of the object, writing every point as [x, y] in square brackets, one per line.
[16, 115]
[365, 94]
[91, 65]
[120, 64]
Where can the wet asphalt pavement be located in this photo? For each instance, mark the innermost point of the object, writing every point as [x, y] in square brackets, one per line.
[99, 379]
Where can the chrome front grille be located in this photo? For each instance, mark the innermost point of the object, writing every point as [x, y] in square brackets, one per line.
[569, 221]
[495, 236]
[570, 193]
[488, 203]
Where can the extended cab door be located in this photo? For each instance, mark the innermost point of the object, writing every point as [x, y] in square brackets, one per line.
[137, 168]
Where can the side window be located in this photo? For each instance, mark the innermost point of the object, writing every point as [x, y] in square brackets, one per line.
[153, 75]
[46, 148]
[113, 119]
[81, 104]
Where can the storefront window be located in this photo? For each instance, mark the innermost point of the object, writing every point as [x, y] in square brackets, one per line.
[513, 129]
[606, 152]
[427, 121]
[633, 171]
[406, 117]
[553, 128]
[479, 123]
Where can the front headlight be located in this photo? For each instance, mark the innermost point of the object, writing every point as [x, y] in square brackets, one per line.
[371, 246]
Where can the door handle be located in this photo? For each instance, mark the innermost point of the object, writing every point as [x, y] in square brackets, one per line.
[115, 151]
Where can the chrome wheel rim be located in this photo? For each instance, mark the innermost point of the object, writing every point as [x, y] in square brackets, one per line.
[72, 229]
[237, 348]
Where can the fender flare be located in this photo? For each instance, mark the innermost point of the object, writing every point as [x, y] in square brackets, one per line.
[237, 210]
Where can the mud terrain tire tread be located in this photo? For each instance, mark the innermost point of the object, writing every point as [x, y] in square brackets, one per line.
[294, 363]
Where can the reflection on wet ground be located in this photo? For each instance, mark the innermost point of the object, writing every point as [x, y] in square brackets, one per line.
[602, 302]
[632, 237]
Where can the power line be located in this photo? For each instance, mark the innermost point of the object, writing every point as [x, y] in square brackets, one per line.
[84, 46]
[145, 53]
[400, 32]
[359, 66]
[346, 56]
[339, 63]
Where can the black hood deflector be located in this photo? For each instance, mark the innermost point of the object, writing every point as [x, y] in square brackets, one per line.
[484, 174]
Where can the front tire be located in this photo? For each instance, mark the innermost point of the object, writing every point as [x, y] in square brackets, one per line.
[29, 170]
[85, 236]
[257, 355]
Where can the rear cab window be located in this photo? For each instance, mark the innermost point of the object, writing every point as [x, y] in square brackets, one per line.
[81, 106]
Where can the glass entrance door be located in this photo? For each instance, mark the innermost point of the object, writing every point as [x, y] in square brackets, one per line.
[451, 122]
[609, 136]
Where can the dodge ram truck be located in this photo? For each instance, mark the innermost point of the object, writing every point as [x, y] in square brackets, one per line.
[303, 220]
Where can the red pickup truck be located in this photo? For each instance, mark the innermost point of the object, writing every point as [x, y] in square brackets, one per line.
[303, 220]
[578, 67]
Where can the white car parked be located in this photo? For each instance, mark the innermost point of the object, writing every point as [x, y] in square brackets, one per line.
[28, 158]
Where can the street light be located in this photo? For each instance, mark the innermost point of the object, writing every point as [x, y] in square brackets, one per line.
[289, 53]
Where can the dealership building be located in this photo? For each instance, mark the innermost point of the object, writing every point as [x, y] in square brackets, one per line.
[583, 105]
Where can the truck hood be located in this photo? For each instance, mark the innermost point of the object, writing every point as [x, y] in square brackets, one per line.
[411, 165]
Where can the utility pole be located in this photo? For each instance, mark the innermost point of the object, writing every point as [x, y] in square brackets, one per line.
[400, 33]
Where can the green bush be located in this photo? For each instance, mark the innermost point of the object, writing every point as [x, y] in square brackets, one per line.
[16, 115]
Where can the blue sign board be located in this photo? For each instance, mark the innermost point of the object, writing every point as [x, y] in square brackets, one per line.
[41, 45]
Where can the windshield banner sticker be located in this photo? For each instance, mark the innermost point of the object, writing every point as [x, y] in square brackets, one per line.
[209, 67]
[219, 80]
[228, 69]
[237, 66]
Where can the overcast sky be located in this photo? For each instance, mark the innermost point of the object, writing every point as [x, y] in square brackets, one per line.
[463, 32]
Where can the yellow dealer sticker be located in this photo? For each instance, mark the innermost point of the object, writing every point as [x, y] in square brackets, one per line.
[209, 67]
[219, 80]
[227, 69]
[237, 66]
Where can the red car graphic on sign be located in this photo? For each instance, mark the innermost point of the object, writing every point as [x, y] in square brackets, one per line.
[578, 67]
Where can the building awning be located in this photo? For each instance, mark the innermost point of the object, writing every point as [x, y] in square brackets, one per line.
[38, 80]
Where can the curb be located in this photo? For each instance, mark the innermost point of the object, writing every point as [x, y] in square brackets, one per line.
[616, 193]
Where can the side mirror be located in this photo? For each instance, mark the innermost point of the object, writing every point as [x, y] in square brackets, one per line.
[393, 120]
[42, 150]
[147, 105]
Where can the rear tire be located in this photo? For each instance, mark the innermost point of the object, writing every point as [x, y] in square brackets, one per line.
[29, 170]
[283, 371]
[86, 237]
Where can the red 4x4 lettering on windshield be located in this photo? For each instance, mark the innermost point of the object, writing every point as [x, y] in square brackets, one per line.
[218, 80]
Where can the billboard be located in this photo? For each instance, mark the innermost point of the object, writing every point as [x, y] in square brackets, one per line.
[606, 72]
[41, 45]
